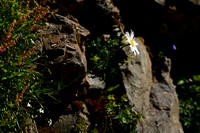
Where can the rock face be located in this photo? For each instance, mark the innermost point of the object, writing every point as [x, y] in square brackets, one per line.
[164, 109]
[162, 2]
[91, 13]
[65, 122]
[137, 78]
[197, 2]
[154, 96]
[66, 62]
[150, 92]
[64, 55]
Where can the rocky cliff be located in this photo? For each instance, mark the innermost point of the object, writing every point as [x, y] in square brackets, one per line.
[148, 85]
[152, 94]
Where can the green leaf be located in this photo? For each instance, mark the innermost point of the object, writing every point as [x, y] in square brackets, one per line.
[4, 78]
[180, 82]
[111, 97]
[124, 120]
[112, 88]
[196, 78]
[95, 58]
[11, 105]
[125, 98]
[4, 70]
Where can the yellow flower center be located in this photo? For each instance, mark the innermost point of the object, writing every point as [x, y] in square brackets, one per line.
[132, 43]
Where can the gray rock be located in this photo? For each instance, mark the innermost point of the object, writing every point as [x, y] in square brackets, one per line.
[32, 127]
[65, 123]
[197, 2]
[95, 82]
[162, 2]
[74, 25]
[64, 56]
[137, 77]
[162, 96]
[97, 15]
[108, 7]
[153, 96]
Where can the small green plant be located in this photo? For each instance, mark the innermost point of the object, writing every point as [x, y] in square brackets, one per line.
[104, 59]
[101, 54]
[120, 115]
[81, 125]
[189, 96]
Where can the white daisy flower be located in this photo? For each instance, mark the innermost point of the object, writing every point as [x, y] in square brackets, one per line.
[133, 43]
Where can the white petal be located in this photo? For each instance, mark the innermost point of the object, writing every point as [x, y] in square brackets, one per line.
[32, 41]
[135, 42]
[50, 122]
[41, 110]
[132, 35]
[127, 35]
[28, 105]
[137, 50]
[134, 50]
